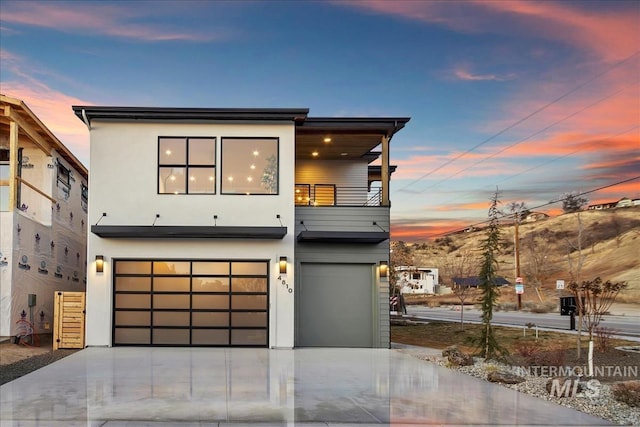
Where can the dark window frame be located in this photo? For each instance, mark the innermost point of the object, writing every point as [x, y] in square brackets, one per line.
[187, 166]
[221, 179]
[63, 175]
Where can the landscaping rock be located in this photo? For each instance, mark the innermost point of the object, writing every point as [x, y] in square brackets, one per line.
[627, 392]
[457, 357]
[504, 377]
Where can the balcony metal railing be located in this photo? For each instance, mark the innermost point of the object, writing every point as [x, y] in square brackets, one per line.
[332, 195]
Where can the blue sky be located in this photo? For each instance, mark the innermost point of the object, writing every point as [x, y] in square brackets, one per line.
[534, 98]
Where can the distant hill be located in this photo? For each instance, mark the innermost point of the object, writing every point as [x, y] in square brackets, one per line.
[610, 249]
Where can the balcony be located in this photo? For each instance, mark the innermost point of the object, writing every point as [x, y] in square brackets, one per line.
[333, 195]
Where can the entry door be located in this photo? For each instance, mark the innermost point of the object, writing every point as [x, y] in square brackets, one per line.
[335, 306]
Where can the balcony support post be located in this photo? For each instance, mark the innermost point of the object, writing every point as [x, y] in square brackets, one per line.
[384, 173]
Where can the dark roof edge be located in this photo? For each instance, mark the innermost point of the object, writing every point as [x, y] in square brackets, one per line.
[390, 125]
[161, 113]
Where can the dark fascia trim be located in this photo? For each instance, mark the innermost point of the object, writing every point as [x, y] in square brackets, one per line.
[197, 114]
[384, 125]
[378, 169]
[370, 237]
[187, 232]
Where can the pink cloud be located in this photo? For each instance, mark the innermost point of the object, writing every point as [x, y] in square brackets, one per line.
[54, 110]
[611, 35]
[96, 18]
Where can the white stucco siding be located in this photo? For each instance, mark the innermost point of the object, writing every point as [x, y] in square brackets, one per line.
[124, 173]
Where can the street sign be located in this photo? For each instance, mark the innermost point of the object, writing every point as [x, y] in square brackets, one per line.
[559, 284]
[519, 280]
[519, 289]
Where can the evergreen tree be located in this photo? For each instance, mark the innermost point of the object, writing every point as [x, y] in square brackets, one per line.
[487, 343]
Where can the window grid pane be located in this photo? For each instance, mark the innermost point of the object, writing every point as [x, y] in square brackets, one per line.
[186, 165]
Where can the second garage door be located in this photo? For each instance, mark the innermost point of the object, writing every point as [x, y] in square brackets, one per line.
[335, 305]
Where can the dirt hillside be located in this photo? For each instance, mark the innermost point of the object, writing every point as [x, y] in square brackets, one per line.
[606, 243]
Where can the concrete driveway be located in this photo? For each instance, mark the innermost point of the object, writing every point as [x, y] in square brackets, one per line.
[219, 387]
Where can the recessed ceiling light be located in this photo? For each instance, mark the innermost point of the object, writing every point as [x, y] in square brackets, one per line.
[168, 152]
[230, 178]
[315, 154]
[327, 139]
[344, 154]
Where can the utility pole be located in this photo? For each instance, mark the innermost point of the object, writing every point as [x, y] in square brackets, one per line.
[516, 251]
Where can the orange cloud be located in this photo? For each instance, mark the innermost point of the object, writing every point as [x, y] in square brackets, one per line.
[423, 231]
[94, 17]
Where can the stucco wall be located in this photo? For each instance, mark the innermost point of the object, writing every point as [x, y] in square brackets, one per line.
[123, 185]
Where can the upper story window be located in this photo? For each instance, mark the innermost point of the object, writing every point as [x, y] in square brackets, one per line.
[64, 175]
[249, 165]
[186, 165]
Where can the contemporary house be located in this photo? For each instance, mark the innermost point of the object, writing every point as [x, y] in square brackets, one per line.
[237, 227]
[43, 220]
[417, 280]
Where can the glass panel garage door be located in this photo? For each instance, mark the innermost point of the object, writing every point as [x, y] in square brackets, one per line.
[183, 303]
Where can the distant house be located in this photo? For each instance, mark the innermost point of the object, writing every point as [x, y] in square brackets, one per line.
[417, 280]
[625, 202]
[536, 216]
[601, 206]
[475, 281]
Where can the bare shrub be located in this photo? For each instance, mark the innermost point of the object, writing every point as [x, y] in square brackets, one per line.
[525, 348]
[543, 308]
[627, 392]
[554, 356]
[603, 336]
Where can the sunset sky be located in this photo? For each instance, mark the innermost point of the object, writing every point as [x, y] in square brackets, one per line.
[533, 98]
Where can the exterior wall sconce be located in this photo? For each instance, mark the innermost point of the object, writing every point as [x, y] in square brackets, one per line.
[283, 265]
[384, 269]
[99, 264]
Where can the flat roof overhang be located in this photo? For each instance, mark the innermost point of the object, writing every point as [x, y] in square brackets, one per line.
[90, 113]
[370, 237]
[187, 232]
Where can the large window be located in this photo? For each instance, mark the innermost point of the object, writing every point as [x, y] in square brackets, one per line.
[186, 165]
[249, 166]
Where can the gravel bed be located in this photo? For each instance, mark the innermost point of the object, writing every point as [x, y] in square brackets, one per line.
[17, 369]
[600, 404]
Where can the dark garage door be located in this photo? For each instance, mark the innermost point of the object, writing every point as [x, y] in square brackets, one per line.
[183, 303]
[335, 305]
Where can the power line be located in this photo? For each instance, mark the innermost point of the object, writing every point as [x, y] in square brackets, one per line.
[552, 202]
[566, 155]
[527, 117]
[529, 137]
